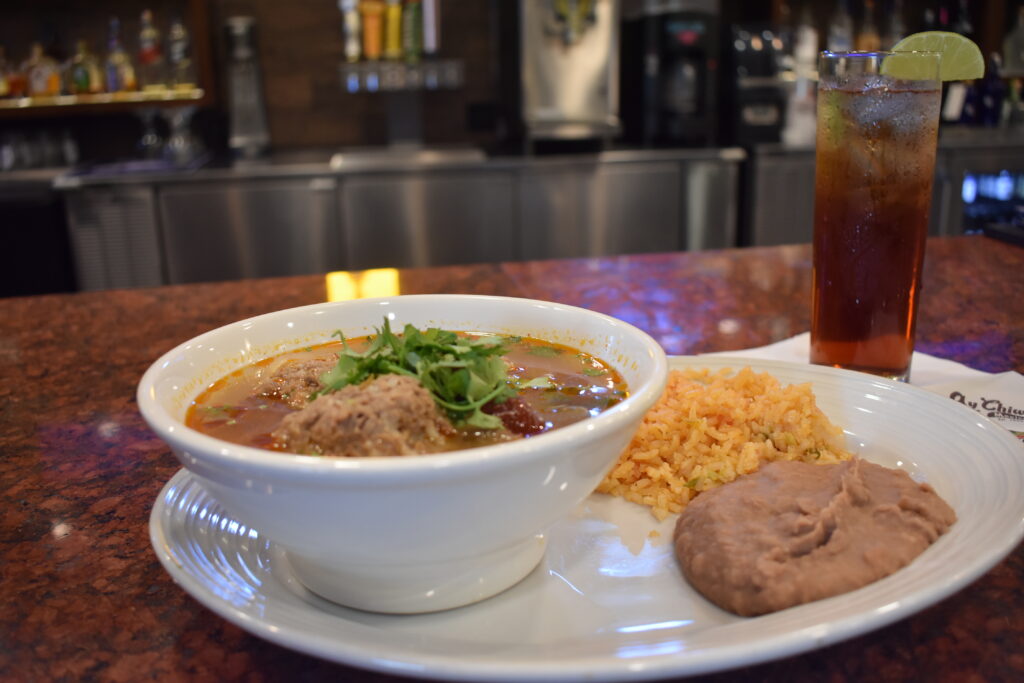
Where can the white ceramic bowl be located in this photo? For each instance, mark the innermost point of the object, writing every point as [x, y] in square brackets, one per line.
[407, 534]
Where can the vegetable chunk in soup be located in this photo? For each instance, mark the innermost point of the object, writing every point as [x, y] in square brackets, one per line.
[402, 394]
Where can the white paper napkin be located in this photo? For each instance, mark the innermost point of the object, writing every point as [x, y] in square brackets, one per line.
[997, 396]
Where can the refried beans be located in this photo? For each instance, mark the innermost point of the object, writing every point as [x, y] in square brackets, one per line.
[794, 532]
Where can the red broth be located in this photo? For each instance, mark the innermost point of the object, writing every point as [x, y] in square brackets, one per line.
[581, 386]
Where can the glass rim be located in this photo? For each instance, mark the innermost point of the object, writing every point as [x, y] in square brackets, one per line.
[825, 54]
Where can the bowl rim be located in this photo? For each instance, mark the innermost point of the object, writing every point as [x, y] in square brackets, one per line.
[226, 455]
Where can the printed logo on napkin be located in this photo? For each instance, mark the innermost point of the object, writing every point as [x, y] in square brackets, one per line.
[998, 397]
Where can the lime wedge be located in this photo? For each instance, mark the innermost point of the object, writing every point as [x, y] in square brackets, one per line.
[961, 58]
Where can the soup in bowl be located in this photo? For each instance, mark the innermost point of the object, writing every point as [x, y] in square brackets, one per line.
[469, 424]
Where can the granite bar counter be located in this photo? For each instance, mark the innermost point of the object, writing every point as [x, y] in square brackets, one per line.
[85, 598]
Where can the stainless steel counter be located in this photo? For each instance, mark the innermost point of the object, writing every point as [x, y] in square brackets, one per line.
[306, 163]
[779, 190]
[950, 138]
[311, 211]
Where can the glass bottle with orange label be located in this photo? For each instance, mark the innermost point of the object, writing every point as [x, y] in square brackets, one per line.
[42, 73]
[372, 12]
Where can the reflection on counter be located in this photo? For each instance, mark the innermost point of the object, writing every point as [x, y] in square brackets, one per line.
[993, 199]
[377, 282]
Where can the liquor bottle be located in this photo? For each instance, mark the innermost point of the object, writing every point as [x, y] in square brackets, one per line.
[4, 87]
[1013, 49]
[945, 16]
[151, 58]
[928, 20]
[868, 38]
[42, 73]
[1013, 105]
[181, 70]
[16, 84]
[895, 29]
[372, 12]
[991, 93]
[120, 72]
[412, 31]
[84, 75]
[350, 27]
[431, 27]
[840, 28]
[968, 97]
[393, 30]
[961, 22]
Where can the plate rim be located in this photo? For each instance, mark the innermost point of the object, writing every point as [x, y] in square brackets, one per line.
[791, 642]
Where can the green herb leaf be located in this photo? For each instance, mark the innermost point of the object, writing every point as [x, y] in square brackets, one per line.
[219, 412]
[542, 382]
[545, 351]
[462, 373]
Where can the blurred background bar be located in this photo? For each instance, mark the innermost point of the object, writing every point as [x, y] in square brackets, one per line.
[194, 140]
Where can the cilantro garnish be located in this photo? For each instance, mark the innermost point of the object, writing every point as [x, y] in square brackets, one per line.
[542, 382]
[462, 374]
[219, 412]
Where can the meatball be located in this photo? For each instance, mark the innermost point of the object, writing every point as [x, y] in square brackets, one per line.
[295, 381]
[517, 416]
[388, 415]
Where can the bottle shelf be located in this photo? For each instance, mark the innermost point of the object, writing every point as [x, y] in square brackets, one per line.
[102, 101]
[371, 77]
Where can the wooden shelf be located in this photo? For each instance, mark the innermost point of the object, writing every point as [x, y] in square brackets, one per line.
[91, 20]
[68, 105]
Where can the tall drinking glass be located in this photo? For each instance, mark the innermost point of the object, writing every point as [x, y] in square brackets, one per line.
[875, 161]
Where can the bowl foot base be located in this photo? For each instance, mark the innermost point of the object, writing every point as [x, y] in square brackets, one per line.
[418, 588]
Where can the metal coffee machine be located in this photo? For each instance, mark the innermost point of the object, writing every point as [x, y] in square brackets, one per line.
[670, 56]
[754, 96]
[560, 71]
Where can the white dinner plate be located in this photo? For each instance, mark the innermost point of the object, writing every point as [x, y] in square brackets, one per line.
[608, 602]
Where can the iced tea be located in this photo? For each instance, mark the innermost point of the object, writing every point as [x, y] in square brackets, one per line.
[876, 146]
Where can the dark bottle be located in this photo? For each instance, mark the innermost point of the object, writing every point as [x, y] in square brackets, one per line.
[991, 91]
[928, 20]
[962, 21]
